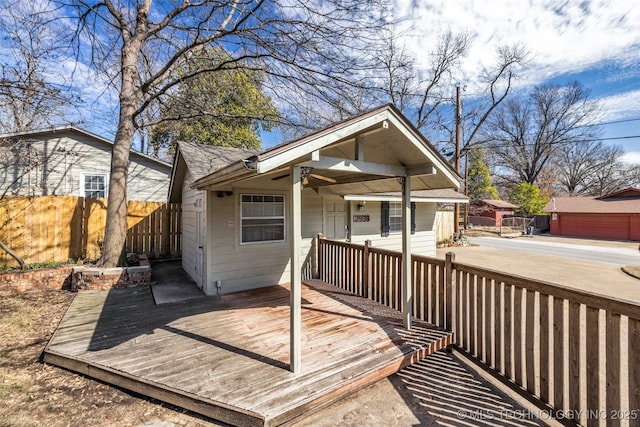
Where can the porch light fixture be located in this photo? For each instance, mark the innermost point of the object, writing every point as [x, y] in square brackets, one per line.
[361, 206]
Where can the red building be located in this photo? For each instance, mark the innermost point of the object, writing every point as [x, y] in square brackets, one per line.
[490, 212]
[615, 216]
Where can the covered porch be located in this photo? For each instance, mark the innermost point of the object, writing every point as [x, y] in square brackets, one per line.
[227, 356]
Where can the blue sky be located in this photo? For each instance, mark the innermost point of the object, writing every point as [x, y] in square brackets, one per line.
[594, 42]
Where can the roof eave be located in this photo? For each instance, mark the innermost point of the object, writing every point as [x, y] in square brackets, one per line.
[227, 175]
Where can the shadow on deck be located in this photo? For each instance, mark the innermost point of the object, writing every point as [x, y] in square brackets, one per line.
[226, 357]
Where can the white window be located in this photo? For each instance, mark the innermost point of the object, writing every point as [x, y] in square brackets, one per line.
[395, 216]
[94, 185]
[262, 218]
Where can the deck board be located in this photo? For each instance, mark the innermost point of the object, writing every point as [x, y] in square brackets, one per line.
[227, 356]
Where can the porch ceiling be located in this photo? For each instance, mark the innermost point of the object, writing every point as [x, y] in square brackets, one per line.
[363, 155]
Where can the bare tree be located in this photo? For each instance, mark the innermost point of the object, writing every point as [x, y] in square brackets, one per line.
[609, 174]
[425, 95]
[300, 47]
[526, 133]
[577, 166]
[30, 94]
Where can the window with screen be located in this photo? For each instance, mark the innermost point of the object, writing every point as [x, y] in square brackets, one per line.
[262, 218]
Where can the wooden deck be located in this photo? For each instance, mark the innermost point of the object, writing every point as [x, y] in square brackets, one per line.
[226, 357]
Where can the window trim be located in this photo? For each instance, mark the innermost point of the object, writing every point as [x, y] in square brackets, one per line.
[283, 217]
[82, 183]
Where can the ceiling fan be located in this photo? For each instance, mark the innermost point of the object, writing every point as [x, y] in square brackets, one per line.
[305, 173]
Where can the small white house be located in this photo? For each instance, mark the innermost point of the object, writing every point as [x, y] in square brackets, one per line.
[68, 161]
[239, 206]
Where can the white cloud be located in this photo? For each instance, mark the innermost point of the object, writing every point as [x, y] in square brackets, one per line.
[562, 37]
[631, 157]
[620, 106]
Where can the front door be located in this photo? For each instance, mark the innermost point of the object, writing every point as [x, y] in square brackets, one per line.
[334, 219]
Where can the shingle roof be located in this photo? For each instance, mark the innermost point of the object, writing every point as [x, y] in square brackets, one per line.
[499, 204]
[593, 205]
[202, 160]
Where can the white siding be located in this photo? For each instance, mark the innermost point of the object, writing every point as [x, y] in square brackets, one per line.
[246, 266]
[422, 242]
[189, 245]
[61, 159]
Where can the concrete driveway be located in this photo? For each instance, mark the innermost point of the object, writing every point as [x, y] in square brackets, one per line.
[622, 253]
[597, 277]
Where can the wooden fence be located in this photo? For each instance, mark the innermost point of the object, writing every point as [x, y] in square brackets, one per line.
[575, 351]
[59, 228]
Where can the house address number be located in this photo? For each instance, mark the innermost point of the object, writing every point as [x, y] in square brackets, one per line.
[361, 218]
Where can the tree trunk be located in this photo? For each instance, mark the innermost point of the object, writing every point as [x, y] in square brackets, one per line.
[13, 255]
[116, 226]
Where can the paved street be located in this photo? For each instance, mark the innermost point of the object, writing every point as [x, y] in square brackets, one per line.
[535, 245]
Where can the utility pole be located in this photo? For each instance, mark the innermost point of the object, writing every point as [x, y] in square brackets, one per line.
[456, 213]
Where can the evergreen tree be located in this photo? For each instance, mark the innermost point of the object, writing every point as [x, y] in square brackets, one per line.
[479, 182]
[227, 108]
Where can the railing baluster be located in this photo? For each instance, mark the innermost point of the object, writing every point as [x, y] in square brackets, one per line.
[487, 303]
[508, 328]
[593, 364]
[517, 334]
[530, 347]
[558, 353]
[613, 367]
[574, 356]
[544, 347]
[473, 323]
[498, 313]
[633, 352]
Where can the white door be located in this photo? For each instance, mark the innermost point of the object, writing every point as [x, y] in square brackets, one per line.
[199, 241]
[334, 218]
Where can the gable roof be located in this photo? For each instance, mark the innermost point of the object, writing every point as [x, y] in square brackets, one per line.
[74, 129]
[625, 192]
[497, 203]
[416, 155]
[593, 205]
[201, 160]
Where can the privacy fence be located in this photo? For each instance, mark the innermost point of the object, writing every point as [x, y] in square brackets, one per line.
[57, 228]
[573, 350]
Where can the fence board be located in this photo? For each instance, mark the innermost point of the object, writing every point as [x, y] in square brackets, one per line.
[57, 228]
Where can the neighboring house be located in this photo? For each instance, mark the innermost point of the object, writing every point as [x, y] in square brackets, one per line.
[613, 216]
[490, 212]
[67, 161]
[239, 206]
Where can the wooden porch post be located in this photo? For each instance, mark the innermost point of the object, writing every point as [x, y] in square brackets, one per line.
[295, 234]
[407, 298]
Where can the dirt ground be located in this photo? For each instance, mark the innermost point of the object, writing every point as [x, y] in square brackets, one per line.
[439, 388]
[32, 393]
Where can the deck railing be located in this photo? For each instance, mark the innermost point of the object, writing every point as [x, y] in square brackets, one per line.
[576, 351]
